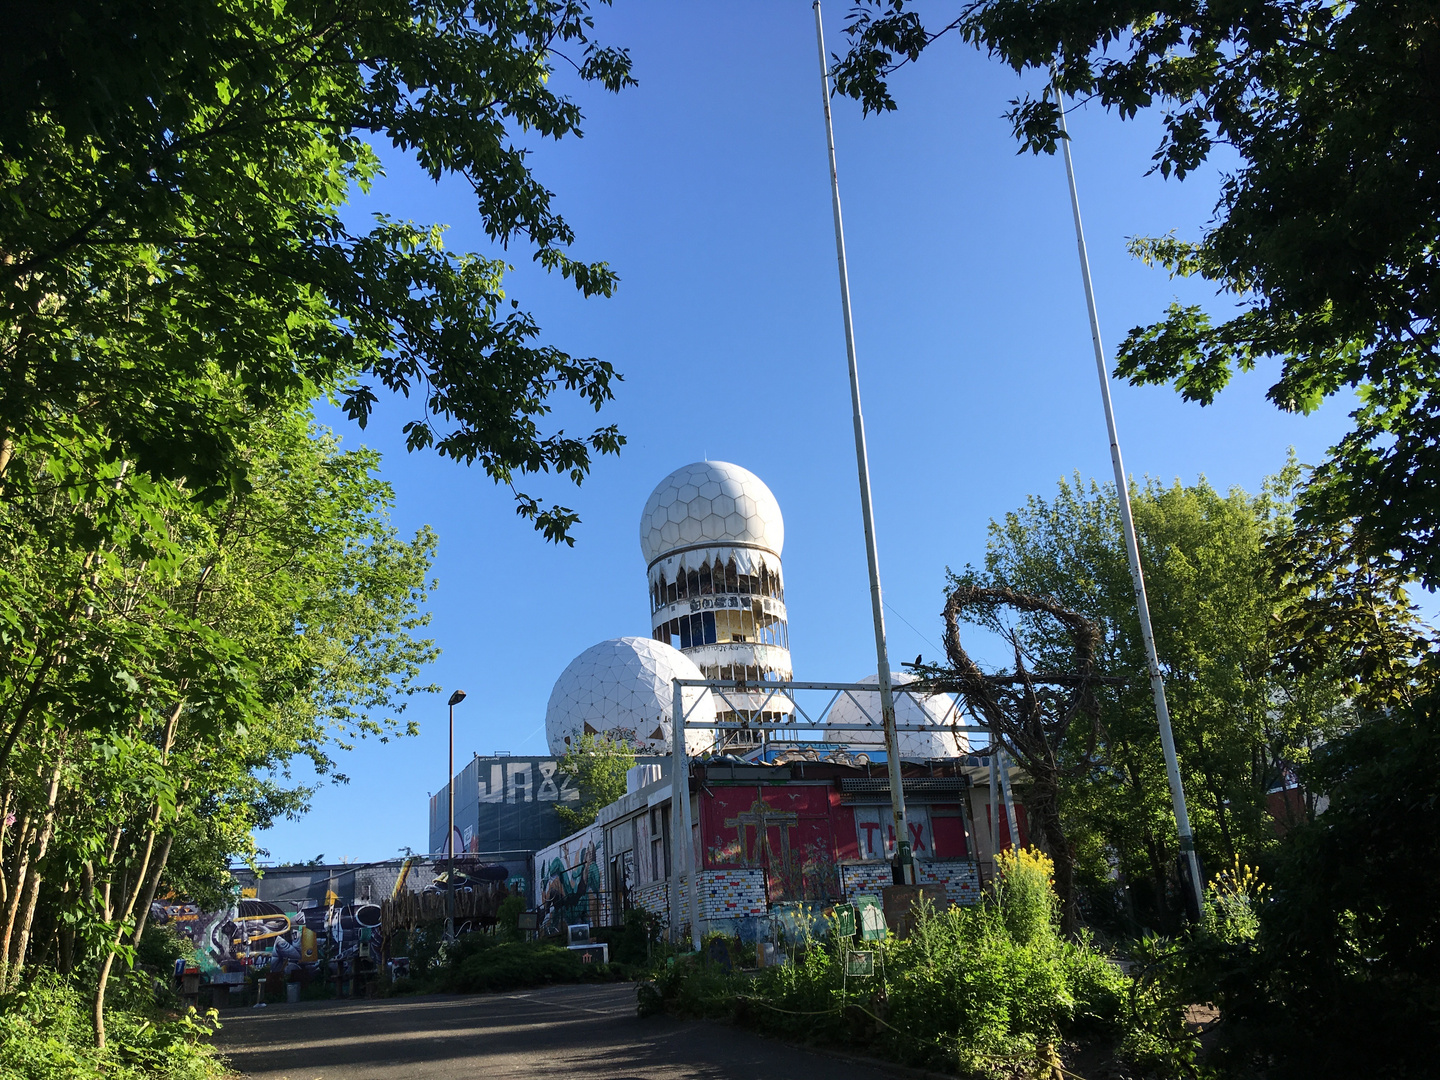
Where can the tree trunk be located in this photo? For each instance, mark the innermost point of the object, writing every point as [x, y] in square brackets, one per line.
[1044, 805]
[23, 841]
[21, 941]
[148, 899]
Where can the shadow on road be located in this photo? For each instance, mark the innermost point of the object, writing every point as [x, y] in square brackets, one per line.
[573, 1030]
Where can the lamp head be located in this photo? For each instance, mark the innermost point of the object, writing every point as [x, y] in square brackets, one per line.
[457, 697]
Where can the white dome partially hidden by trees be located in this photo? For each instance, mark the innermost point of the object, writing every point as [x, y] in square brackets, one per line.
[622, 688]
[933, 710]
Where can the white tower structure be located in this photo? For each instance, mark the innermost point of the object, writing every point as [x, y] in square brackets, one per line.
[932, 710]
[622, 688]
[712, 534]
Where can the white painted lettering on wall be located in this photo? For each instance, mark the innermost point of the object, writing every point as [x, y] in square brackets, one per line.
[514, 781]
[517, 776]
[497, 785]
[548, 791]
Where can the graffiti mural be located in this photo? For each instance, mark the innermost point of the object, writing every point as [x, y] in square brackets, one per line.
[570, 882]
[787, 831]
[264, 935]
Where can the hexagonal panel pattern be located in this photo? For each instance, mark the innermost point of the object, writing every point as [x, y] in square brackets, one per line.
[710, 501]
[622, 688]
[936, 709]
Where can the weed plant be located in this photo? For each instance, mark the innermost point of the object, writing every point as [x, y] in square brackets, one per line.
[991, 990]
[46, 1034]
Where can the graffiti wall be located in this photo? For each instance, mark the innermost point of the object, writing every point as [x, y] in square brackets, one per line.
[505, 804]
[312, 919]
[796, 834]
[570, 882]
[251, 933]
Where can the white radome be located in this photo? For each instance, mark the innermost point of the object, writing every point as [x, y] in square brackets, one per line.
[710, 502]
[937, 710]
[622, 688]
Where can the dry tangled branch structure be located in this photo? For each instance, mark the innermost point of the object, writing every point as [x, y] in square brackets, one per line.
[1030, 713]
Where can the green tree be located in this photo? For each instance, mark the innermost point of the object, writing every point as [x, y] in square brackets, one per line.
[1253, 687]
[227, 638]
[1325, 234]
[598, 763]
[1344, 981]
[172, 181]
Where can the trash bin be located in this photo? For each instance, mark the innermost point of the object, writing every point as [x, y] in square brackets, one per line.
[292, 992]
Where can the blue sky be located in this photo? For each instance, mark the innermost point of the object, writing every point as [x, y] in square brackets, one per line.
[706, 188]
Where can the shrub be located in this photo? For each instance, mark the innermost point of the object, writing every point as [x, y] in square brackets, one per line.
[993, 989]
[1026, 893]
[45, 1034]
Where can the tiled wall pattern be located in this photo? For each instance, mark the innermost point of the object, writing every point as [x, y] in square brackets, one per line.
[732, 894]
[864, 879]
[655, 897]
[960, 878]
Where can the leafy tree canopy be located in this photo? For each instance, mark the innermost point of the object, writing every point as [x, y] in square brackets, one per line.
[1263, 663]
[1327, 234]
[598, 763]
[172, 175]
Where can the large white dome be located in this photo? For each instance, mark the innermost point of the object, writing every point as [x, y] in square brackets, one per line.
[622, 688]
[710, 501]
[937, 710]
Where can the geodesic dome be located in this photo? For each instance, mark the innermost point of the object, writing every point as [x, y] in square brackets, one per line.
[622, 688]
[937, 710]
[710, 502]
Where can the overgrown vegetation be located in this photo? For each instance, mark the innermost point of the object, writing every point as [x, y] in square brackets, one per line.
[198, 586]
[46, 1034]
[994, 990]
[598, 763]
[506, 959]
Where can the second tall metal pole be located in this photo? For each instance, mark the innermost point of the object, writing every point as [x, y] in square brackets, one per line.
[450, 838]
[904, 864]
[1132, 546]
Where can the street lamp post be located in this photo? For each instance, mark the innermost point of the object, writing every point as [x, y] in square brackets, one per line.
[455, 699]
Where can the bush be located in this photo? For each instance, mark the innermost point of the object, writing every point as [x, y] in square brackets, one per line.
[45, 1034]
[992, 989]
[481, 963]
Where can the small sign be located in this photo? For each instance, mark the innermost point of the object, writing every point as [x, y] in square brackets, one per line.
[859, 963]
[529, 920]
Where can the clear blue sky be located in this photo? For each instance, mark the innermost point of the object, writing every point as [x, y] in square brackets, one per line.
[706, 188]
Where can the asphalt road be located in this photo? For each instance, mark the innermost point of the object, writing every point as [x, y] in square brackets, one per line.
[561, 1031]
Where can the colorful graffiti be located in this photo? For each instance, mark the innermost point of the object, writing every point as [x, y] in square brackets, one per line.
[786, 831]
[571, 887]
[306, 936]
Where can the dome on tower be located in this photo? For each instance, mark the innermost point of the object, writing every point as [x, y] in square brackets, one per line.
[622, 688]
[710, 502]
[937, 710]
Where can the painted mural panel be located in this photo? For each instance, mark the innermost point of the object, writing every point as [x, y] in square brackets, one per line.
[570, 882]
[302, 936]
[787, 831]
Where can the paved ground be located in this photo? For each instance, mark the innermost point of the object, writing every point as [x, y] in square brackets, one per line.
[562, 1031]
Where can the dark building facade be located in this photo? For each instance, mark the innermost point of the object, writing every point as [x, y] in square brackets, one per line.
[505, 806]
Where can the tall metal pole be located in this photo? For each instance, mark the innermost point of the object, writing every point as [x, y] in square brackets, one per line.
[905, 867]
[1009, 802]
[450, 838]
[455, 699]
[1132, 547]
[682, 840]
